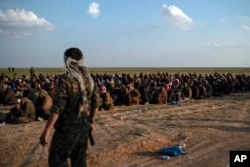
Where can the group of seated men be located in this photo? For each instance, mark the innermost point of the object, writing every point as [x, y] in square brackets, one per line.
[27, 103]
[31, 97]
[162, 88]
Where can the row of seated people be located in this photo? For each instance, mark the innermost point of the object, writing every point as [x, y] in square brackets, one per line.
[161, 89]
[126, 89]
[174, 92]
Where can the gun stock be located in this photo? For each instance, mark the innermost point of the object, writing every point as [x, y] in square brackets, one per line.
[91, 139]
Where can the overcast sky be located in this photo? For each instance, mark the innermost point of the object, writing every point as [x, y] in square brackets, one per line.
[126, 33]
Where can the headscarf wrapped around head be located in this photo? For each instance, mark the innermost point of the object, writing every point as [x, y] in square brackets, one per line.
[73, 59]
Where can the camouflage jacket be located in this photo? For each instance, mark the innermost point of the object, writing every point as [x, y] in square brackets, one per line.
[68, 98]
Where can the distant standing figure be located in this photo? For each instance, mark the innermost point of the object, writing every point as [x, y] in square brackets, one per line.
[32, 71]
[13, 69]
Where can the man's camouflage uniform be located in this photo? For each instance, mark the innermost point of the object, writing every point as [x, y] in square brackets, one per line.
[71, 130]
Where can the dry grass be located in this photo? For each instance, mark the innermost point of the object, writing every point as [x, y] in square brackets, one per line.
[131, 70]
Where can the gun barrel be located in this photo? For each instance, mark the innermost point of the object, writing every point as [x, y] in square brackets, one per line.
[91, 138]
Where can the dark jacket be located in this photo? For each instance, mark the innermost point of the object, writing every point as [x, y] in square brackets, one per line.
[8, 97]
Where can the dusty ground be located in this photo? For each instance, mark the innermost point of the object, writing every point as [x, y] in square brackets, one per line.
[133, 136]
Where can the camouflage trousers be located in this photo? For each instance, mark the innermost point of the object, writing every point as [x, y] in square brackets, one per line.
[71, 144]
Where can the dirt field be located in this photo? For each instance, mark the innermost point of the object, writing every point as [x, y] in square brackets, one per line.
[133, 136]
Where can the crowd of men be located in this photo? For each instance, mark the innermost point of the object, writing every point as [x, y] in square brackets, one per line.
[161, 88]
[31, 96]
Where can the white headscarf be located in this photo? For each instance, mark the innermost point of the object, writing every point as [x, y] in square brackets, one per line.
[76, 69]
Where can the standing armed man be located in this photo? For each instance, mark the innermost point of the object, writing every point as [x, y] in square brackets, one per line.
[75, 95]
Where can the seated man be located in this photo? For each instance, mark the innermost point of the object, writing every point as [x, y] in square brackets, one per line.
[171, 96]
[135, 93]
[7, 95]
[146, 92]
[202, 91]
[107, 101]
[22, 112]
[195, 89]
[43, 105]
[187, 92]
[160, 96]
[29, 93]
[208, 88]
[132, 95]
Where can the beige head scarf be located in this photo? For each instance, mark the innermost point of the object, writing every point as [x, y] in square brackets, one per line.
[76, 69]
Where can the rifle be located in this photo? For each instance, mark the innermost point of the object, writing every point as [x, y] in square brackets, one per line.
[91, 138]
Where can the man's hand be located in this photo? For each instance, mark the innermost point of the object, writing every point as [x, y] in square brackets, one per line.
[49, 126]
[92, 126]
[92, 141]
[44, 138]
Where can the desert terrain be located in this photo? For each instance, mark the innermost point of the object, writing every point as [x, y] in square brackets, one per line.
[131, 136]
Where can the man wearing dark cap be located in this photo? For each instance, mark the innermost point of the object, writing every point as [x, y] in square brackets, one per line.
[74, 109]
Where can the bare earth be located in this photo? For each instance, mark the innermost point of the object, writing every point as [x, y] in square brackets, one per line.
[133, 136]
